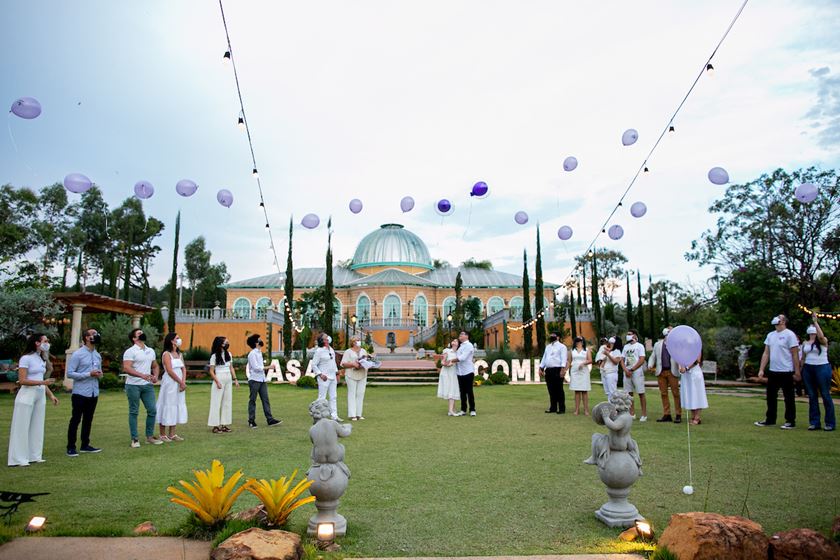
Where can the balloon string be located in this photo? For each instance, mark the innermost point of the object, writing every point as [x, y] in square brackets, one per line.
[14, 144]
[469, 220]
[688, 429]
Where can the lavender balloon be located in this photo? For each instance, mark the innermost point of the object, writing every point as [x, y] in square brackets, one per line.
[638, 209]
[806, 193]
[444, 207]
[718, 176]
[629, 137]
[225, 198]
[564, 233]
[570, 163]
[407, 204]
[520, 218]
[185, 187]
[480, 190]
[615, 232]
[77, 183]
[355, 205]
[143, 189]
[26, 107]
[684, 344]
[310, 221]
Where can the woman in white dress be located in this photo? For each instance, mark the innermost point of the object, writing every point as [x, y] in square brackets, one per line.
[580, 364]
[693, 389]
[356, 377]
[448, 380]
[26, 436]
[221, 390]
[172, 402]
[609, 371]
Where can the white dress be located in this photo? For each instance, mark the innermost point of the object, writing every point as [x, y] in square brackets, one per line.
[448, 381]
[693, 389]
[172, 403]
[579, 373]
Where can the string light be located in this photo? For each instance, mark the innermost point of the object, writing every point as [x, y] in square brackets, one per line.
[820, 314]
[671, 128]
[710, 70]
[241, 123]
[226, 57]
[255, 173]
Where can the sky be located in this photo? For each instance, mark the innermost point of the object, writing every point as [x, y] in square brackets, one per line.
[378, 100]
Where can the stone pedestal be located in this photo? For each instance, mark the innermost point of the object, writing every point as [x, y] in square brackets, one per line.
[618, 476]
[329, 484]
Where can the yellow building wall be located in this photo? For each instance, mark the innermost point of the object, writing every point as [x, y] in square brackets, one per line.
[203, 334]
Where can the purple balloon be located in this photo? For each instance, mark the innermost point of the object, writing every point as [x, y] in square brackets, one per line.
[143, 189]
[77, 183]
[564, 233]
[480, 190]
[26, 107]
[806, 193]
[224, 197]
[718, 176]
[407, 204]
[520, 218]
[570, 163]
[185, 187]
[629, 137]
[355, 205]
[615, 232]
[638, 209]
[684, 344]
[310, 221]
[444, 207]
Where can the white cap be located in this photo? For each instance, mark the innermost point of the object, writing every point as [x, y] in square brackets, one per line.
[811, 329]
[665, 331]
[775, 321]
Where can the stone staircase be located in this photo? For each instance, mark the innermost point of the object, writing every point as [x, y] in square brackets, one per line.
[395, 372]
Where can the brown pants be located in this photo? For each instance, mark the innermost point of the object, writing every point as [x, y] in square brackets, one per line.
[666, 379]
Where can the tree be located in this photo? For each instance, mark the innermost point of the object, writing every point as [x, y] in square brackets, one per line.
[21, 312]
[641, 308]
[439, 263]
[585, 299]
[750, 295]
[472, 263]
[173, 281]
[96, 246]
[329, 291]
[539, 304]
[650, 302]
[53, 222]
[197, 263]
[289, 294]
[610, 270]
[596, 302]
[458, 313]
[208, 292]
[18, 208]
[133, 240]
[527, 335]
[572, 321]
[629, 301]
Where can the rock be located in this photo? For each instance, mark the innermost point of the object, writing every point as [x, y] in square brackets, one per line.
[145, 528]
[802, 544]
[710, 536]
[256, 513]
[259, 544]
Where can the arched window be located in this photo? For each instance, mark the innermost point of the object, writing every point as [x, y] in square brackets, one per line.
[448, 306]
[494, 305]
[261, 306]
[392, 310]
[516, 305]
[242, 308]
[421, 311]
[363, 310]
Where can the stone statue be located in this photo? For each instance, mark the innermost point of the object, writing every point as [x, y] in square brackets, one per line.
[328, 472]
[616, 455]
[743, 354]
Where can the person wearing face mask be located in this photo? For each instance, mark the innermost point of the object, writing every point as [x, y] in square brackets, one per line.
[781, 353]
[172, 400]
[326, 372]
[257, 384]
[356, 377]
[816, 372]
[85, 369]
[553, 366]
[667, 375]
[634, 372]
[26, 435]
[221, 395]
[142, 370]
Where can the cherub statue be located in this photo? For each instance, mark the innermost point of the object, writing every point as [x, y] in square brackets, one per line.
[328, 473]
[615, 416]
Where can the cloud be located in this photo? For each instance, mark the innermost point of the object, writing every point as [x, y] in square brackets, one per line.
[825, 114]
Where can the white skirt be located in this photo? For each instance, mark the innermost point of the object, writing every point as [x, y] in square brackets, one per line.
[693, 389]
[580, 379]
[171, 403]
[448, 384]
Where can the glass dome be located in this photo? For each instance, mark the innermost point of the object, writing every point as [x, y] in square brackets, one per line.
[392, 245]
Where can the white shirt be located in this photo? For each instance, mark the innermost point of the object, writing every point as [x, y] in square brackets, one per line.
[609, 366]
[465, 358]
[812, 357]
[780, 344]
[35, 366]
[352, 355]
[223, 367]
[555, 355]
[632, 352]
[141, 360]
[256, 365]
[323, 362]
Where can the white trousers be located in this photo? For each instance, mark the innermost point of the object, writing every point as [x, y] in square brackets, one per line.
[327, 389]
[355, 396]
[610, 381]
[221, 401]
[26, 437]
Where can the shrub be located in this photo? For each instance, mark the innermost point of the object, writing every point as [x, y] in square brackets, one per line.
[498, 378]
[505, 354]
[209, 497]
[197, 354]
[114, 334]
[307, 382]
[110, 381]
[278, 499]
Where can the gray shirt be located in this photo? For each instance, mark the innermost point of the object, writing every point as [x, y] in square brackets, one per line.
[81, 363]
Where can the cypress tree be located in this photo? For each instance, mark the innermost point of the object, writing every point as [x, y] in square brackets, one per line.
[641, 308]
[173, 282]
[329, 307]
[527, 335]
[539, 304]
[289, 294]
[596, 302]
[579, 304]
[458, 314]
[585, 301]
[630, 317]
[650, 301]
[665, 308]
[572, 322]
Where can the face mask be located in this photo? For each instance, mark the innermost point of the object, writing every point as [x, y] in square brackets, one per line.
[260, 343]
[629, 338]
[775, 321]
[142, 337]
[226, 345]
[329, 339]
[178, 342]
[356, 343]
[45, 346]
[96, 339]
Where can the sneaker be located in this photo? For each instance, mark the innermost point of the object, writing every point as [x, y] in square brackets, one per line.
[762, 424]
[460, 413]
[828, 428]
[72, 452]
[176, 437]
[472, 413]
[151, 440]
[338, 418]
[451, 414]
[666, 418]
[90, 449]
[361, 417]
[788, 426]
[678, 419]
[643, 419]
[135, 443]
[252, 424]
[274, 422]
[813, 428]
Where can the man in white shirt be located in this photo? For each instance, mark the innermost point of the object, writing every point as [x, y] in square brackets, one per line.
[666, 370]
[781, 352]
[257, 384]
[466, 373]
[326, 372]
[140, 365]
[634, 372]
[553, 366]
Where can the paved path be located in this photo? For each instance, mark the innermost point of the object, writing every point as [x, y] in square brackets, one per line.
[545, 557]
[104, 548]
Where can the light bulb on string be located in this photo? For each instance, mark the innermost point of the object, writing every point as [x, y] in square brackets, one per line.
[671, 128]
[240, 122]
[710, 70]
[226, 56]
[647, 170]
[255, 173]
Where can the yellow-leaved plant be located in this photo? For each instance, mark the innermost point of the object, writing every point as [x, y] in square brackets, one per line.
[278, 498]
[209, 497]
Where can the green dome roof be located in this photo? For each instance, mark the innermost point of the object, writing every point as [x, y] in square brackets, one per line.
[391, 245]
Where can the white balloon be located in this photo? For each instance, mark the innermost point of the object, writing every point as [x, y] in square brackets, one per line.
[718, 176]
[615, 232]
[688, 490]
[629, 137]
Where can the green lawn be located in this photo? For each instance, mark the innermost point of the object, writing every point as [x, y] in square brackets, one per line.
[510, 481]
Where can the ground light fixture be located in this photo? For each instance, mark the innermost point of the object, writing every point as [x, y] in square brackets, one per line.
[325, 536]
[644, 530]
[36, 524]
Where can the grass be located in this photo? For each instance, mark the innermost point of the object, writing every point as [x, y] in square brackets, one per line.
[510, 481]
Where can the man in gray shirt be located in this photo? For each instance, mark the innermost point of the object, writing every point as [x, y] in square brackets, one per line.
[466, 373]
[85, 369]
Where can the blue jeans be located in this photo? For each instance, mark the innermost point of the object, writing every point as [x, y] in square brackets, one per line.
[135, 394]
[817, 380]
